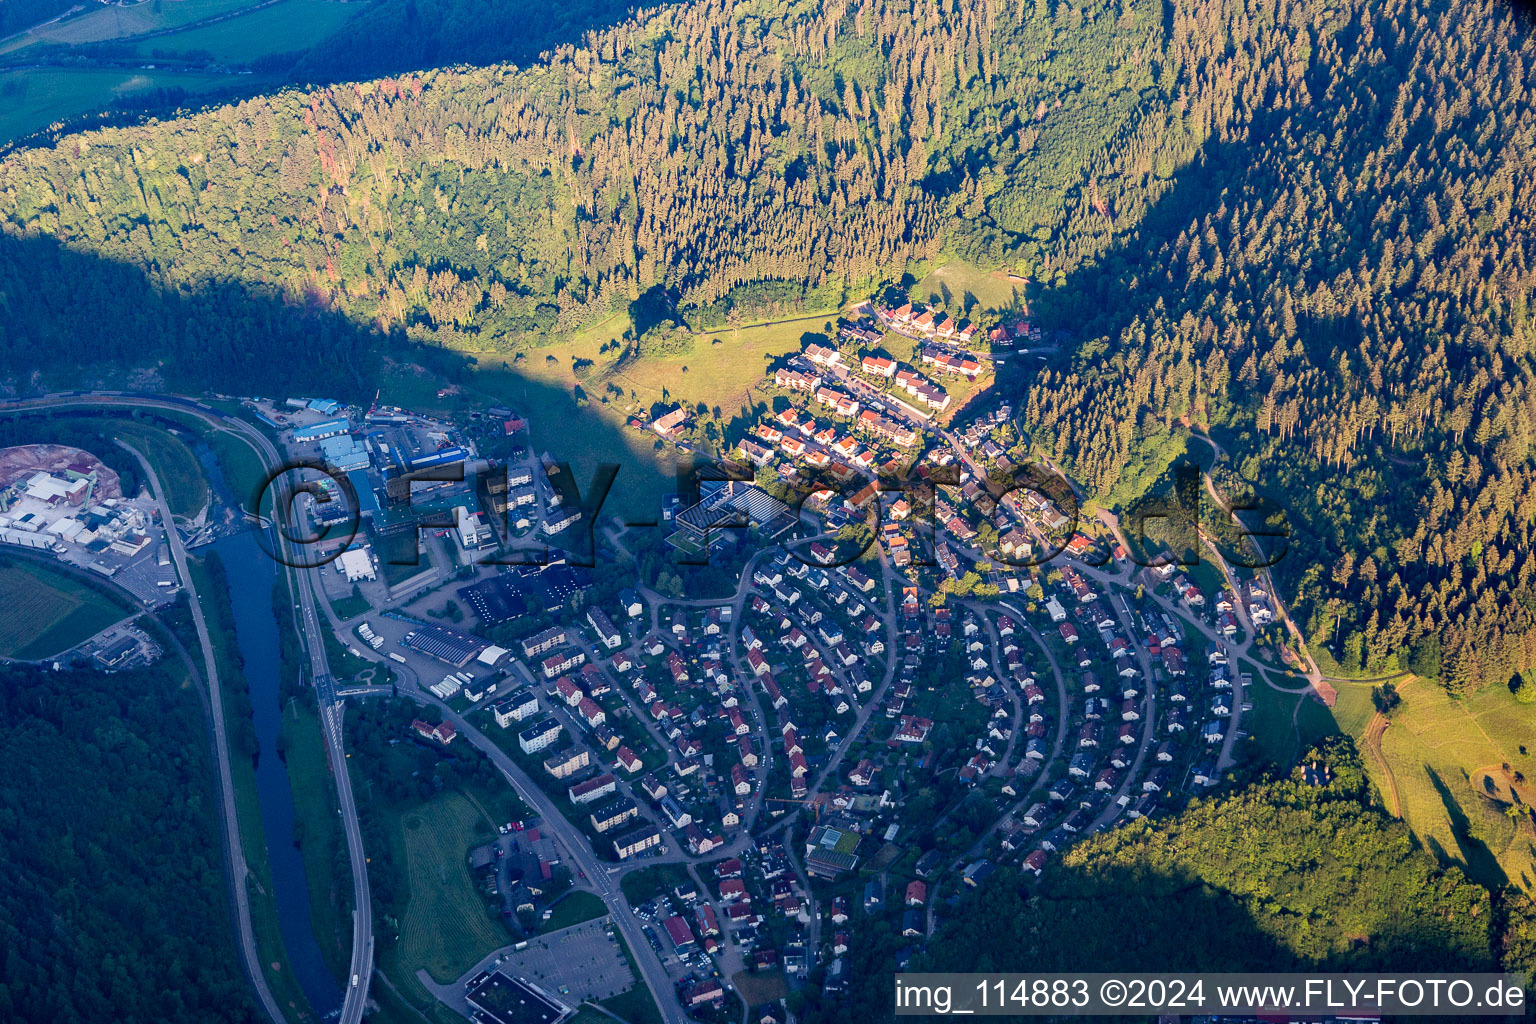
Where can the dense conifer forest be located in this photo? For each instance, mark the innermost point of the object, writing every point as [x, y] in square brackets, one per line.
[16, 15]
[1300, 226]
[115, 904]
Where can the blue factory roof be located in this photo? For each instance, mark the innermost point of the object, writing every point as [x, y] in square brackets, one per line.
[367, 502]
[325, 428]
[454, 454]
[344, 452]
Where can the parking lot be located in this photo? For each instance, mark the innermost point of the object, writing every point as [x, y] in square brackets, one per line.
[577, 963]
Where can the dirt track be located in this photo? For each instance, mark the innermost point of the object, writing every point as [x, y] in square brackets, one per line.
[1373, 734]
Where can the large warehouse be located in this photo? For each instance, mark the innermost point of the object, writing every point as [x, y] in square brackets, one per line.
[495, 998]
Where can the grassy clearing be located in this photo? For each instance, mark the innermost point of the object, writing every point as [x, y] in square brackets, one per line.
[33, 99]
[578, 411]
[1272, 722]
[320, 839]
[244, 471]
[1315, 721]
[577, 400]
[647, 883]
[445, 927]
[960, 286]
[1441, 753]
[764, 987]
[181, 475]
[352, 604]
[576, 908]
[44, 612]
[343, 663]
[1353, 710]
[281, 28]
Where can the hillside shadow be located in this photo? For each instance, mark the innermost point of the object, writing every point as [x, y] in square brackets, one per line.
[74, 320]
[1475, 856]
[391, 36]
[1145, 918]
[653, 307]
[385, 37]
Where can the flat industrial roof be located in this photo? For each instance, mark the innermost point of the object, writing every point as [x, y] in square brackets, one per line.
[499, 999]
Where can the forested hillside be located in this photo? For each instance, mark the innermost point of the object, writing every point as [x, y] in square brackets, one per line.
[1307, 874]
[1282, 876]
[114, 904]
[16, 15]
[1302, 226]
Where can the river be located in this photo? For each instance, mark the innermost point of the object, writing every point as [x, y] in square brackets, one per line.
[251, 575]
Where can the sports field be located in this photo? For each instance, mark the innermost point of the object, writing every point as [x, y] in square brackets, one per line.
[43, 612]
[445, 928]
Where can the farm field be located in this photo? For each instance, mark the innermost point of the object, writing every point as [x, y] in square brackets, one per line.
[112, 22]
[445, 927]
[231, 32]
[1441, 759]
[283, 27]
[34, 98]
[47, 612]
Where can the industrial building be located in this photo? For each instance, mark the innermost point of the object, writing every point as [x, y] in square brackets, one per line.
[444, 644]
[319, 431]
[495, 600]
[367, 500]
[730, 506]
[470, 529]
[344, 452]
[356, 565]
[494, 998]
